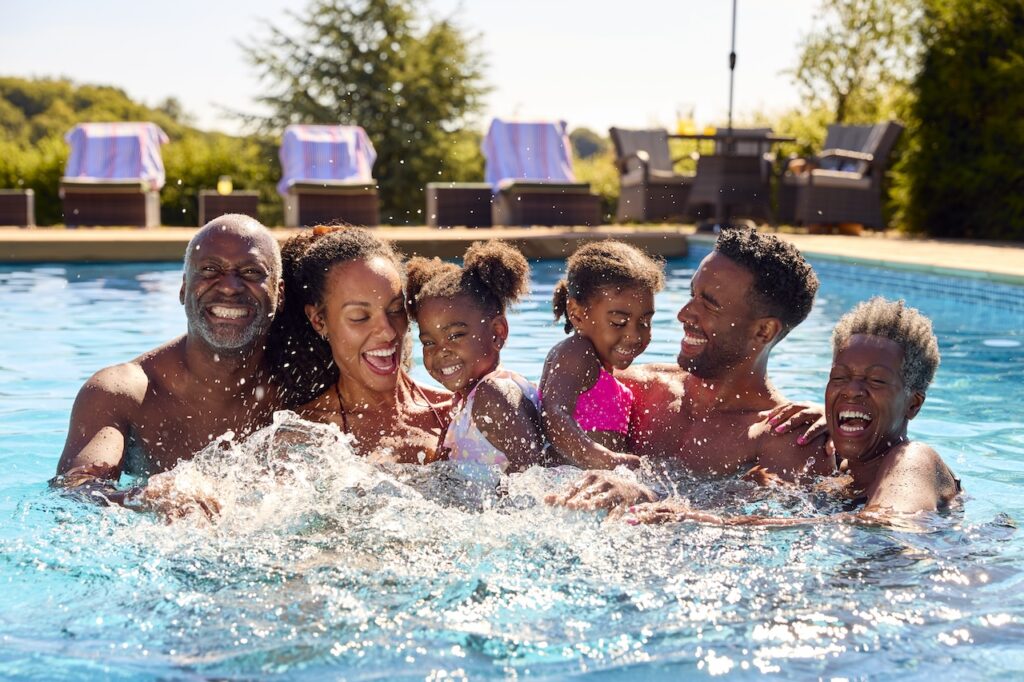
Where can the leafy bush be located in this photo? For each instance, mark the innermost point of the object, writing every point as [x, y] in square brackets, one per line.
[965, 177]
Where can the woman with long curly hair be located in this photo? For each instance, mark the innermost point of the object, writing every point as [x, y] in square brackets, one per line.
[340, 345]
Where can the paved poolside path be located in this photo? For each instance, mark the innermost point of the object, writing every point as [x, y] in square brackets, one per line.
[988, 260]
[1000, 261]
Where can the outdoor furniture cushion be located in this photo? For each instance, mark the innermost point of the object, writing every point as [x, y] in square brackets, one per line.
[537, 151]
[116, 151]
[334, 154]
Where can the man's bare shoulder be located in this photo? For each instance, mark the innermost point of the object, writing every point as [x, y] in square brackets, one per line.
[127, 381]
[132, 379]
[651, 375]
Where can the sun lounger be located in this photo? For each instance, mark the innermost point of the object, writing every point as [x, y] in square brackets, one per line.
[327, 176]
[114, 175]
[529, 168]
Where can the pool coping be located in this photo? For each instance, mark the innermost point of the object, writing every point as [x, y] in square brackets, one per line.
[994, 262]
[1005, 261]
[167, 244]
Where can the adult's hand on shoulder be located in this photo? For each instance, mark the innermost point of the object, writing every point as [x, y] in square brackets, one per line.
[806, 419]
[602, 490]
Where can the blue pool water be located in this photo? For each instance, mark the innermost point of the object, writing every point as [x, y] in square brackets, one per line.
[324, 566]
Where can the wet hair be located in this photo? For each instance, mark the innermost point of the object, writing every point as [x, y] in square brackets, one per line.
[784, 283]
[301, 358]
[896, 321]
[493, 274]
[602, 264]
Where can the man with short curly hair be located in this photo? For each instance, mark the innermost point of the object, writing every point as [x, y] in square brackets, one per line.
[708, 411]
[884, 358]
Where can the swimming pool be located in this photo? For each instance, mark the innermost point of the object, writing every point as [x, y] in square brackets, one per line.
[330, 567]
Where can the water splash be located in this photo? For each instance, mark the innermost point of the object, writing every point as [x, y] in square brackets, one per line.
[321, 561]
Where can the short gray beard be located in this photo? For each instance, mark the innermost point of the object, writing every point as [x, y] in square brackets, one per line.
[245, 340]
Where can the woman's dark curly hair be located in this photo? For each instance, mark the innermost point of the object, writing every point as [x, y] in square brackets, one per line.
[784, 283]
[493, 274]
[603, 264]
[301, 358]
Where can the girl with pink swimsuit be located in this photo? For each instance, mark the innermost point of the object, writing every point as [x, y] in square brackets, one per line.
[461, 317]
[607, 300]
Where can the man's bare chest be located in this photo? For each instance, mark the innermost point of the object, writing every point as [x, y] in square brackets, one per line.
[166, 431]
[705, 442]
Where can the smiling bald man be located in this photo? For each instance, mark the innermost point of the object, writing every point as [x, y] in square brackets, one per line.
[143, 416]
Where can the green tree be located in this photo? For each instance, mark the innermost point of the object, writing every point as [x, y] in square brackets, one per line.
[412, 83]
[861, 51]
[587, 143]
[965, 177]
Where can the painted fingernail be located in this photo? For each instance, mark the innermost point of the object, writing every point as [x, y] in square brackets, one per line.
[780, 429]
[632, 522]
[801, 440]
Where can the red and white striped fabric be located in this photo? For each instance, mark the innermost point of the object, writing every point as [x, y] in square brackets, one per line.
[116, 151]
[313, 152]
[537, 151]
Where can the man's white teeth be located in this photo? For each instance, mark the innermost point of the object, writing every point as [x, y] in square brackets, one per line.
[448, 371]
[694, 340]
[382, 352]
[231, 313]
[854, 414]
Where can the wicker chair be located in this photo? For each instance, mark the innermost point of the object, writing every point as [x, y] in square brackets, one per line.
[844, 183]
[650, 188]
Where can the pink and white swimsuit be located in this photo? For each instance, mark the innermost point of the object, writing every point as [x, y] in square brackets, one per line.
[465, 442]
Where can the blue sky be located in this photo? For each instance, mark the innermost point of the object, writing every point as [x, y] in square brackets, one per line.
[595, 64]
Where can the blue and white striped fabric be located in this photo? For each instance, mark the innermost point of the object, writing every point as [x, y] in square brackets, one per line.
[116, 151]
[537, 152]
[313, 152]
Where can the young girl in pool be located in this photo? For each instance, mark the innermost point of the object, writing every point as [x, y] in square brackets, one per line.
[461, 317]
[607, 300]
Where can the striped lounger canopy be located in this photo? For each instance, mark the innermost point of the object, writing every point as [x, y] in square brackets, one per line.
[529, 167]
[114, 174]
[528, 181]
[327, 176]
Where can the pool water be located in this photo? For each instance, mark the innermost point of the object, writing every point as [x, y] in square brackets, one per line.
[322, 565]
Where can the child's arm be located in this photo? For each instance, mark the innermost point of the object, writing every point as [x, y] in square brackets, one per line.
[571, 369]
[509, 421]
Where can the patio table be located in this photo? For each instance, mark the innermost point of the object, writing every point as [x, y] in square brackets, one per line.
[735, 181]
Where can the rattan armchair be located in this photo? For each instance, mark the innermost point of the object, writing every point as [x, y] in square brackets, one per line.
[650, 187]
[843, 185]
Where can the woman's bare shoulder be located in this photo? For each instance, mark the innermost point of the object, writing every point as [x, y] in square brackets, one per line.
[323, 408]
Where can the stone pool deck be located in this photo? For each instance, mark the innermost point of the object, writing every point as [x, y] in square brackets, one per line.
[993, 261]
